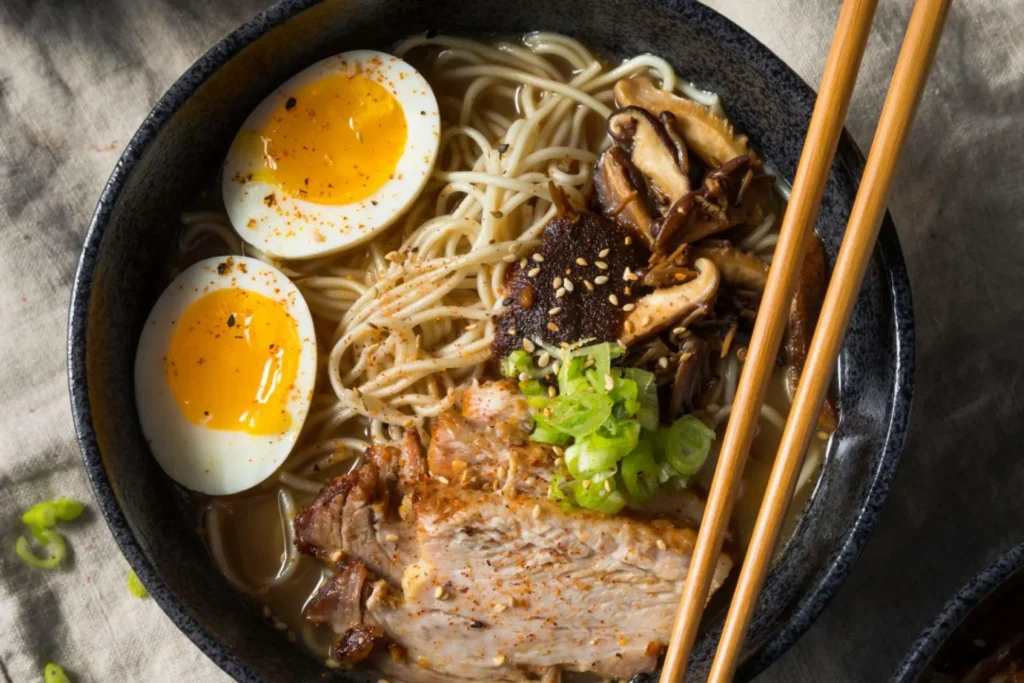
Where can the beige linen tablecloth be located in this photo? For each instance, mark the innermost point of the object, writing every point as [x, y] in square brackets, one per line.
[76, 78]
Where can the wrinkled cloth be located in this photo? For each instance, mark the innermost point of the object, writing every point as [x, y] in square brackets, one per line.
[77, 78]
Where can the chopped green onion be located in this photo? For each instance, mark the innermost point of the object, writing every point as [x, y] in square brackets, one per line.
[640, 473]
[532, 387]
[518, 362]
[556, 494]
[599, 493]
[543, 434]
[687, 443]
[605, 447]
[135, 586]
[54, 673]
[647, 397]
[45, 515]
[577, 415]
[50, 539]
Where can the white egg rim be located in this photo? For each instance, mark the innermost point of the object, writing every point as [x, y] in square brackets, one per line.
[363, 218]
[199, 458]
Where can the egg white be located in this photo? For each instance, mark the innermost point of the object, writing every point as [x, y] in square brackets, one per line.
[212, 461]
[297, 228]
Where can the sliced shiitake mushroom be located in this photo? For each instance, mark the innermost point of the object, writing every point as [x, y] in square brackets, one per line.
[739, 268]
[620, 190]
[803, 317]
[678, 305]
[693, 365]
[730, 195]
[652, 151]
[710, 137]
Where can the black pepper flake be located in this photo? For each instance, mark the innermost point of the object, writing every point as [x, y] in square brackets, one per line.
[289, 104]
[231, 320]
[270, 199]
[431, 33]
[476, 623]
[502, 148]
[222, 268]
[507, 301]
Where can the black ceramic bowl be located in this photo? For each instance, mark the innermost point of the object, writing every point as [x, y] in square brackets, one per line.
[190, 129]
[974, 629]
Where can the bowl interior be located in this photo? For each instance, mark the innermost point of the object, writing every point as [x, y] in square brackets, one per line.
[189, 132]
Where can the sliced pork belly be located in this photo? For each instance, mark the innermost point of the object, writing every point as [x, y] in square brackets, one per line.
[468, 581]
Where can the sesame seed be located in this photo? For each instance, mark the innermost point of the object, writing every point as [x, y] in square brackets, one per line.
[497, 214]
[534, 272]
[438, 592]
[628, 240]
[512, 330]
[559, 462]
[568, 285]
[557, 365]
[507, 301]
[560, 293]
[608, 485]
[470, 327]
[613, 299]
[661, 545]
[331, 663]
[628, 290]
[629, 326]
[552, 392]
[499, 660]
[557, 282]
[391, 538]
[545, 357]
[536, 511]
[522, 262]
[679, 330]
[581, 261]
[555, 311]
[590, 287]
[554, 328]
[499, 608]
[663, 362]
[509, 258]
[823, 435]
[528, 345]
[601, 279]
[604, 252]
[628, 307]
[538, 258]
[523, 376]
[586, 483]
[601, 264]
[515, 247]
[443, 480]
[609, 383]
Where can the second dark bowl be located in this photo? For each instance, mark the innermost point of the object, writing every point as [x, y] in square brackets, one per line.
[191, 128]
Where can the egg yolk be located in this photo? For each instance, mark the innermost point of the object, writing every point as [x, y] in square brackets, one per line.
[336, 140]
[232, 362]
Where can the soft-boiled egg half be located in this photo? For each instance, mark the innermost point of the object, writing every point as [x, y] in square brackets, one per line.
[333, 156]
[224, 374]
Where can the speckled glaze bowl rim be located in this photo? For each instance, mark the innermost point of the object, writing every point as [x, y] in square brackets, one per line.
[836, 568]
[954, 612]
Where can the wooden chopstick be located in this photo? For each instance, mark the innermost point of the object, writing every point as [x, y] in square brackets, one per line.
[894, 125]
[826, 124]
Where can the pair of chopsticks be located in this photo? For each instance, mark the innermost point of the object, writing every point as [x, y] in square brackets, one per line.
[830, 110]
